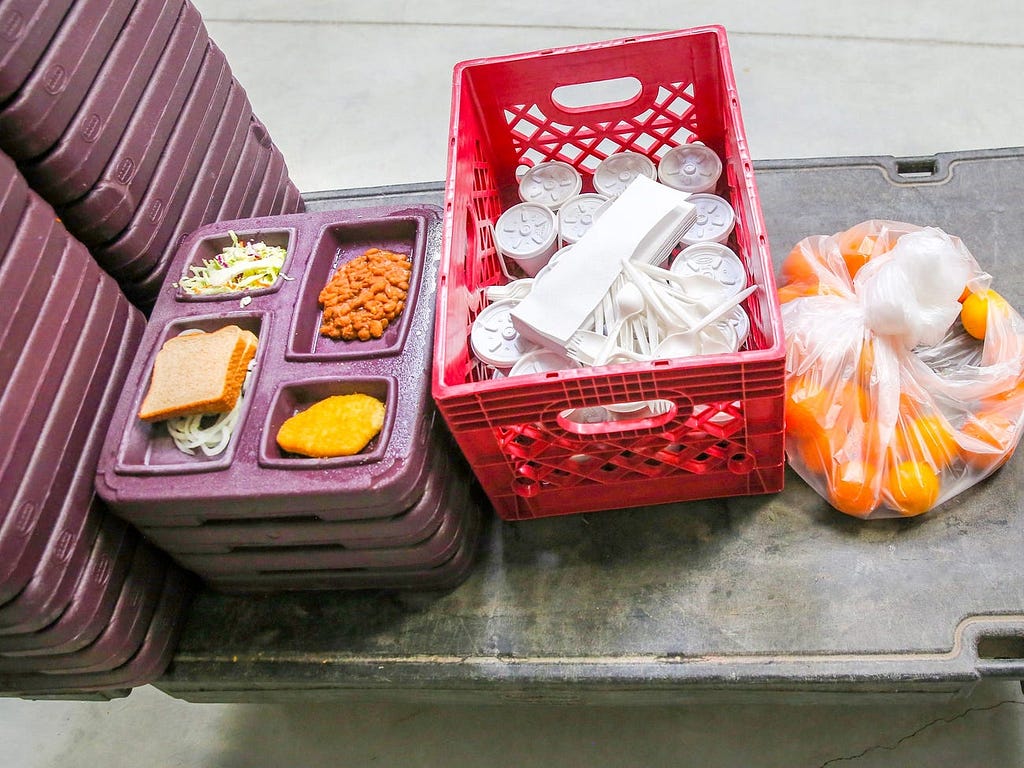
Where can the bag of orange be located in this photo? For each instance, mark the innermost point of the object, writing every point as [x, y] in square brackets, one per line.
[904, 368]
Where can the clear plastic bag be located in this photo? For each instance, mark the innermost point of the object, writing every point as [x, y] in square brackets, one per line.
[903, 368]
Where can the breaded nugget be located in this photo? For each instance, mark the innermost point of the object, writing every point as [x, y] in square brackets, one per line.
[341, 425]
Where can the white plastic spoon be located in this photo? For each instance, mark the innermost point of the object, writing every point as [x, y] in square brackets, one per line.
[688, 343]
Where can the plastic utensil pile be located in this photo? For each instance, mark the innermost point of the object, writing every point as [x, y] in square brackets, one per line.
[604, 300]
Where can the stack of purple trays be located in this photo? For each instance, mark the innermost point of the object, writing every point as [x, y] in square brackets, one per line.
[125, 117]
[404, 513]
[86, 604]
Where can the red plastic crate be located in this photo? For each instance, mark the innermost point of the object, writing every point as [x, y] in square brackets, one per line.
[722, 433]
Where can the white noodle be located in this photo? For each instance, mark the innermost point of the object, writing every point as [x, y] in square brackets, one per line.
[188, 432]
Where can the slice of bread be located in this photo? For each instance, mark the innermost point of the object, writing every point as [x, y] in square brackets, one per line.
[198, 373]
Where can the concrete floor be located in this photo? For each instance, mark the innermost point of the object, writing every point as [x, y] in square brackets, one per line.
[357, 94]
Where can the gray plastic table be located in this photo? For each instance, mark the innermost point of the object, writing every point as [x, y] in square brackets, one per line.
[644, 605]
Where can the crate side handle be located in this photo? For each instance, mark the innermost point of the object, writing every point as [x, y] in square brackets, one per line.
[595, 95]
[605, 100]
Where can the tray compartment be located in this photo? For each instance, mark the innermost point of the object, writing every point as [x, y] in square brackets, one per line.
[293, 397]
[147, 448]
[336, 245]
[207, 248]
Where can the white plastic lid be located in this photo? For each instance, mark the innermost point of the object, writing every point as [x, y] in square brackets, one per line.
[616, 172]
[526, 231]
[551, 184]
[541, 361]
[715, 220]
[692, 168]
[494, 339]
[713, 260]
[578, 215]
[737, 322]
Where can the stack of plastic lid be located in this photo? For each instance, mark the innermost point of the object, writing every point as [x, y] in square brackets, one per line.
[401, 513]
[125, 117]
[85, 603]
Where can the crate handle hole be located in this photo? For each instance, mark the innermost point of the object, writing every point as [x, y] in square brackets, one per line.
[917, 167]
[598, 94]
[1001, 647]
[618, 417]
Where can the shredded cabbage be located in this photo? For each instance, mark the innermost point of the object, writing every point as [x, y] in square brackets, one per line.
[188, 432]
[242, 266]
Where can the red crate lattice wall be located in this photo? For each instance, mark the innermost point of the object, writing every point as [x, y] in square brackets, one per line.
[671, 121]
[710, 440]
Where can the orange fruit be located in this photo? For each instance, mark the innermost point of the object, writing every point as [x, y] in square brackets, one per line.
[866, 363]
[854, 402]
[796, 291]
[964, 294]
[925, 438]
[799, 267]
[994, 429]
[856, 249]
[975, 310]
[912, 487]
[815, 449]
[853, 488]
[1013, 394]
[807, 405]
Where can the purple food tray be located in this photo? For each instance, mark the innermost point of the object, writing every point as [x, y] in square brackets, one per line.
[75, 163]
[446, 576]
[195, 193]
[46, 460]
[45, 598]
[109, 206]
[293, 202]
[28, 26]
[276, 174]
[121, 637]
[280, 204]
[243, 124]
[264, 150]
[65, 545]
[135, 249]
[92, 605]
[144, 667]
[144, 292]
[208, 190]
[13, 200]
[149, 482]
[254, 151]
[27, 353]
[34, 119]
[410, 528]
[434, 551]
[35, 382]
[26, 281]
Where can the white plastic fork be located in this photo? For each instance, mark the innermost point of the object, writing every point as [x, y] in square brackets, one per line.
[517, 289]
[587, 347]
[669, 315]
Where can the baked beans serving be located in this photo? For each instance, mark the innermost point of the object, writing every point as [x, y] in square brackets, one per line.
[365, 295]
